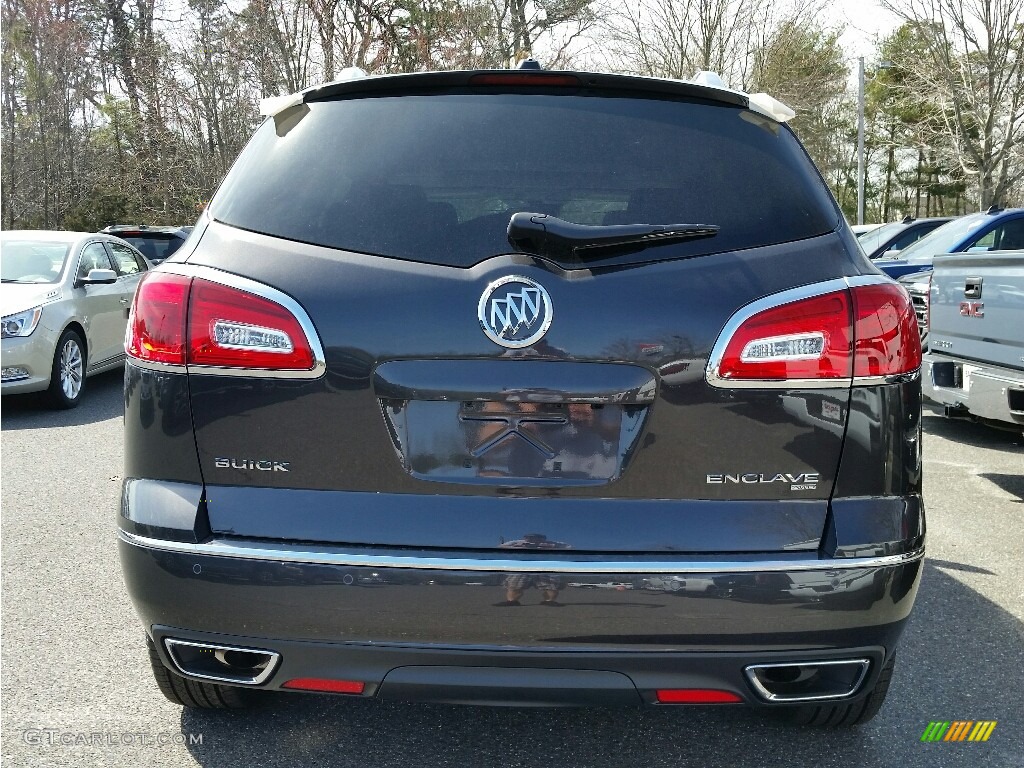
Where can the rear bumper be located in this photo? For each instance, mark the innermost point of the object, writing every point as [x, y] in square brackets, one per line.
[983, 390]
[365, 616]
[516, 677]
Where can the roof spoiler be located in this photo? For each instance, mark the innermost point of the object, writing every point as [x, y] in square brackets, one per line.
[275, 105]
[761, 103]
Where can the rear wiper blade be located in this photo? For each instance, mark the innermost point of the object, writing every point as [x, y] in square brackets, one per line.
[546, 235]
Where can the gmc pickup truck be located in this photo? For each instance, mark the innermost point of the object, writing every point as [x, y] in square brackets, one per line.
[975, 363]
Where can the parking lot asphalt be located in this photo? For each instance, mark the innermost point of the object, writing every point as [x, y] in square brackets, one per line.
[77, 688]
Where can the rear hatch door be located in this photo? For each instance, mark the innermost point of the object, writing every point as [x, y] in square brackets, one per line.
[602, 433]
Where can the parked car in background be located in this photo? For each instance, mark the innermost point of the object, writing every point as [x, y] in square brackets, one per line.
[997, 229]
[65, 299]
[155, 243]
[975, 367]
[862, 229]
[536, 340]
[895, 236]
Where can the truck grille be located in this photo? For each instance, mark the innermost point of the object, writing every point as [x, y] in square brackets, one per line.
[919, 299]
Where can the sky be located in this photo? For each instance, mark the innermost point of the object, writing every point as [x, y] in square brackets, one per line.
[865, 21]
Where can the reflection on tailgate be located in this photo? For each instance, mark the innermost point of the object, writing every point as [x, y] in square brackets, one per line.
[532, 443]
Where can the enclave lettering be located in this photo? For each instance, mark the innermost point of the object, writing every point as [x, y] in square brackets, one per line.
[755, 478]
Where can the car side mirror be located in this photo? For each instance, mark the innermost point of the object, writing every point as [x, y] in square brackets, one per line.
[99, 277]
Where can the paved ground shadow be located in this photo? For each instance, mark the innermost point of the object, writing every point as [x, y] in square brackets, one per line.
[103, 399]
[973, 433]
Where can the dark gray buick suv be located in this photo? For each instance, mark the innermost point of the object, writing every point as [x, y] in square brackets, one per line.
[529, 388]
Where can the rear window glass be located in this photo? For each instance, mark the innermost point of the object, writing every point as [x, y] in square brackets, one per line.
[947, 238]
[156, 248]
[871, 241]
[435, 178]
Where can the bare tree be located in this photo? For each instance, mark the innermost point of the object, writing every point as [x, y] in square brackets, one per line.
[47, 80]
[274, 38]
[324, 13]
[516, 27]
[443, 34]
[677, 38]
[370, 34]
[973, 68]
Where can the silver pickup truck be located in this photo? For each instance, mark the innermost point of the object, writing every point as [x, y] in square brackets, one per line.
[975, 362]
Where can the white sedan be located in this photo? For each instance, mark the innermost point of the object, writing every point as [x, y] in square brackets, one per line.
[65, 298]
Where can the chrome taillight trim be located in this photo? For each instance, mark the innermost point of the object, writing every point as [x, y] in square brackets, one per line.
[896, 378]
[264, 291]
[780, 299]
[289, 553]
[150, 365]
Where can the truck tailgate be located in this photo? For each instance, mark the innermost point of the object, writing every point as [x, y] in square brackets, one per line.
[977, 307]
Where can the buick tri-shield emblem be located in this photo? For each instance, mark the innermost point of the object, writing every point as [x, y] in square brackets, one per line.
[515, 311]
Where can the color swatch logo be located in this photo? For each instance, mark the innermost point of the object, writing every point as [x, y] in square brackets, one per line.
[958, 730]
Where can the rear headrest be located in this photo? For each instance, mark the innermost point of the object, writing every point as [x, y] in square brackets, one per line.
[30, 264]
[1013, 236]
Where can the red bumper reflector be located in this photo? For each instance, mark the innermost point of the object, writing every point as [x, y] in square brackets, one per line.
[328, 686]
[697, 696]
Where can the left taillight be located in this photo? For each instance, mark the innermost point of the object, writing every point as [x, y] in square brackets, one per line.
[179, 320]
[231, 328]
[156, 325]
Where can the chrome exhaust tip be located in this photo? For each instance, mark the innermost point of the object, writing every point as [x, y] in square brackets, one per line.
[222, 663]
[808, 681]
[235, 659]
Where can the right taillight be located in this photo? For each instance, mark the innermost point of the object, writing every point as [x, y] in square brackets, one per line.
[860, 331]
[886, 337]
[804, 339]
[183, 320]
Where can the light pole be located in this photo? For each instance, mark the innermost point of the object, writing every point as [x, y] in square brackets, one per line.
[860, 140]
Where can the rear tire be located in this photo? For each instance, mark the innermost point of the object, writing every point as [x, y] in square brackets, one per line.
[195, 694]
[845, 715]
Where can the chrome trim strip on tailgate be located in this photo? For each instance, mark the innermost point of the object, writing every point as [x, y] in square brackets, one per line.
[289, 553]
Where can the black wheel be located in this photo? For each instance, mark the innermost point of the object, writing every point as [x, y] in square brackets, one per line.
[195, 693]
[67, 376]
[846, 715]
